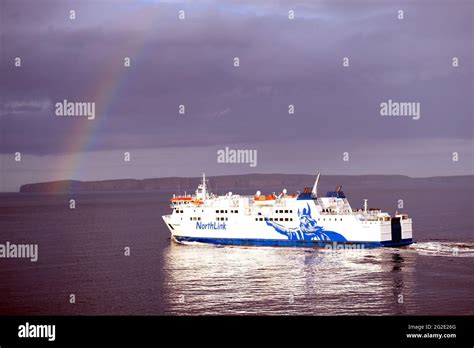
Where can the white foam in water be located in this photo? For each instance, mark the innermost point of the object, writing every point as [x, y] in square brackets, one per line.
[455, 249]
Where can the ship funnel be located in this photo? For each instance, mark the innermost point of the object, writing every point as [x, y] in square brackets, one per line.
[315, 186]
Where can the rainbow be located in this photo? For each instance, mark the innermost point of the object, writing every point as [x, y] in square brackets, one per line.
[106, 89]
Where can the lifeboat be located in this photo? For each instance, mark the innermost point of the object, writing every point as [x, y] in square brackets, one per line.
[181, 199]
[265, 200]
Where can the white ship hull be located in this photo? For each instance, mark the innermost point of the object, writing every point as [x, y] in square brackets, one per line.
[304, 220]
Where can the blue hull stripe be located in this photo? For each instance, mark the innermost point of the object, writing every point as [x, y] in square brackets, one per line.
[290, 243]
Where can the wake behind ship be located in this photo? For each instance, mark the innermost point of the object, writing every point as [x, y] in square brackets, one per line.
[299, 220]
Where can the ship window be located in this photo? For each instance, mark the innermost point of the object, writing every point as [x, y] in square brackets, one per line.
[217, 211]
[291, 219]
[341, 219]
[271, 219]
[226, 219]
[261, 219]
[286, 211]
[191, 218]
[266, 219]
[324, 219]
[226, 211]
[286, 219]
[291, 211]
[199, 218]
[236, 211]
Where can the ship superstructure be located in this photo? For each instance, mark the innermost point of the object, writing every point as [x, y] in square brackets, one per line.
[303, 219]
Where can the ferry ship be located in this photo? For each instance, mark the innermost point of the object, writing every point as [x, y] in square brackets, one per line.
[304, 219]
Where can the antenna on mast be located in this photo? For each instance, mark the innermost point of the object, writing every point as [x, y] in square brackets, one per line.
[204, 185]
[314, 191]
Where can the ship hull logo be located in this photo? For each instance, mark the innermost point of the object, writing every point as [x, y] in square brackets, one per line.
[211, 226]
[308, 229]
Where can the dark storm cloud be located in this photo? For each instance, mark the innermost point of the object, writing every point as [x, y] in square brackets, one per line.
[190, 62]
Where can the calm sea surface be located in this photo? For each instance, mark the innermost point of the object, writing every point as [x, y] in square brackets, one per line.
[81, 252]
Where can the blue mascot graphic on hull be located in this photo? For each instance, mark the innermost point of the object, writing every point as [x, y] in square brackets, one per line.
[308, 230]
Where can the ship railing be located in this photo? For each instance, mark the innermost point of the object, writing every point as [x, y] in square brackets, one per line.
[336, 212]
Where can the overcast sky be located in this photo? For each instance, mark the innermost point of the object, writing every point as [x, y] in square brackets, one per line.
[191, 62]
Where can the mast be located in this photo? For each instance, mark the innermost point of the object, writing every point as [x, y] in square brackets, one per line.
[203, 185]
[315, 186]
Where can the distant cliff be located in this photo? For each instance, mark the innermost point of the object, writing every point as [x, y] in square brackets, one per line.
[292, 182]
